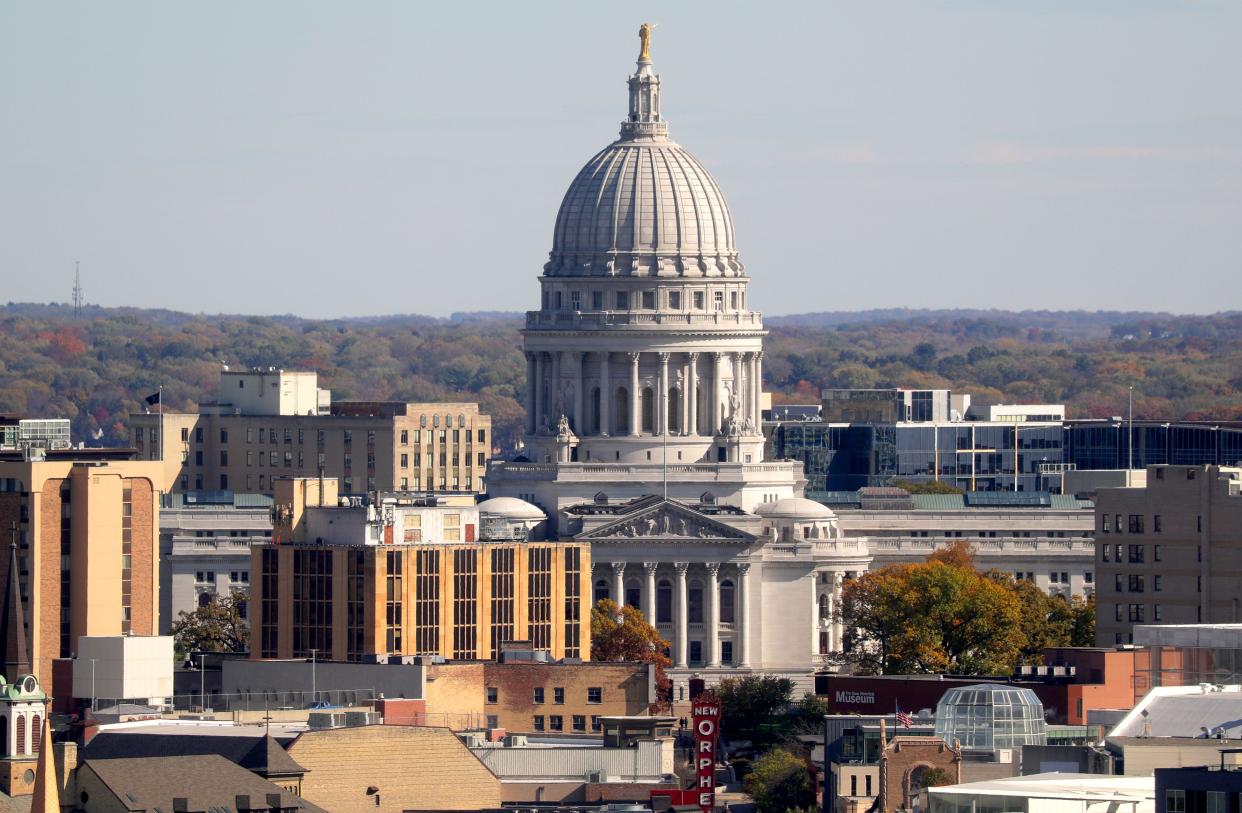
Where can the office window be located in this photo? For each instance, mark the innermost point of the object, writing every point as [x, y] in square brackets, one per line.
[1117, 582]
[1117, 612]
[558, 695]
[538, 694]
[698, 300]
[1135, 523]
[649, 300]
[595, 695]
[1117, 522]
[717, 300]
[1106, 523]
[1155, 553]
[556, 723]
[674, 300]
[1156, 525]
[537, 722]
[493, 694]
[733, 300]
[623, 300]
[1137, 613]
[1157, 582]
[1136, 554]
[1105, 553]
[1088, 577]
[1217, 802]
[1175, 801]
[1136, 583]
[1156, 614]
[595, 722]
[597, 300]
[580, 723]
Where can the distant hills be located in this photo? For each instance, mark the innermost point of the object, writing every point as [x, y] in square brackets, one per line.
[97, 369]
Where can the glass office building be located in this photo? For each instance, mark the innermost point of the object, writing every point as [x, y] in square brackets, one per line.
[990, 456]
[990, 716]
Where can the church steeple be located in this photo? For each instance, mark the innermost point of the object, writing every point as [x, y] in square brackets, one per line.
[644, 119]
[13, 622]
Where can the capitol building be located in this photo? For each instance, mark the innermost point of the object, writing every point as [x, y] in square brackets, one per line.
[643, 417]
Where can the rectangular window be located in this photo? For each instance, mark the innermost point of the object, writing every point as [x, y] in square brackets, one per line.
[1156, 614]
[698, 300]
[575, 300]
[717, 300]
[1136, 583]
[493, 695]
[538, 694]
[623, 300]
[1156, 525]
[1117, 522]
[1157, 582]
[1136, 554]
[556, 723]
[1137, 613]
[597, 300]
[1088, 577]
[1117, 582]
[595, 722]
[1117, 612]
[558, 300]
[1106, 523]
[1105, 551]
[595, 695]
[1155, 553]
[558, 695]
[674, 300]
[1135, 523]
[537, 722]
[733, 300]
[649, 300]
[1175, 801]
[580, 723]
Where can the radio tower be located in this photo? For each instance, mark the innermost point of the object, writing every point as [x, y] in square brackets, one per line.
[77, 290]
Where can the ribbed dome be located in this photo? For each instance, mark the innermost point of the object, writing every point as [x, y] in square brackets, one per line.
[643, 205]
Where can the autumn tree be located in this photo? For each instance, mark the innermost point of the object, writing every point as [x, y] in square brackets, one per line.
[931, 617]
[217, 626]
[623, 634]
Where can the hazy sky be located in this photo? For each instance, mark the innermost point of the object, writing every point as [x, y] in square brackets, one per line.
[331, 159]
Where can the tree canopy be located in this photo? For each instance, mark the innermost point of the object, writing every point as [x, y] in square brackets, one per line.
[780, 781]
[623, 634]
[943, 615]
[751, 702]
[217, 626]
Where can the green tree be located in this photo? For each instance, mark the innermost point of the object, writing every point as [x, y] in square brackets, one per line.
[623, 634]
[808, 714]
[1082, 630]
[218, 626]
[750, 705]
[779, 781]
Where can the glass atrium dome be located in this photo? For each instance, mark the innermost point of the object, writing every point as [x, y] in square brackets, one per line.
[988, 716]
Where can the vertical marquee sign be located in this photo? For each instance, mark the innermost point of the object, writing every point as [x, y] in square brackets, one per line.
[706, 716]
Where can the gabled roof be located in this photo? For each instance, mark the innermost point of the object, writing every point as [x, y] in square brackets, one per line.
[668, 520]
[269, 758]
[206, 781]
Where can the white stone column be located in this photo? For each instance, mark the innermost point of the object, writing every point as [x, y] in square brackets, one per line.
[618, 583]
[743, 620]
[692, 396]
[838, 640]
[635, 399]
[714, 417]
[649, 594]
[605, 395]
[532, 378]
[713, 615]
[557, 408]
[579, 361]
[683, 612]
[683, 403]
[661, 422]
[758, 365]
[541, 407]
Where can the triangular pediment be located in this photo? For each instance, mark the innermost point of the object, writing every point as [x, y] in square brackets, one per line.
[666, 520]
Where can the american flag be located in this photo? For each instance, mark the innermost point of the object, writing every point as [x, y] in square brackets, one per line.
[904, 718]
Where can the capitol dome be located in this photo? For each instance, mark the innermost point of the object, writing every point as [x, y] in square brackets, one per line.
[643, 206]
[797, 508]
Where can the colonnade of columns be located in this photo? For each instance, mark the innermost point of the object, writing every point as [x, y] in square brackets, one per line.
[711, 625]
[547, 373]
[826, 599]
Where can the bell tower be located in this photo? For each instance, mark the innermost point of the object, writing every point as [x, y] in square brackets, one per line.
[23, 704]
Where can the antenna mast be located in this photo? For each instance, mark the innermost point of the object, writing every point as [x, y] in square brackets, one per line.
[77, 290]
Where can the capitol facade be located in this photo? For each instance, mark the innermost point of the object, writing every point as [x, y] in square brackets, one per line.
[643, 411]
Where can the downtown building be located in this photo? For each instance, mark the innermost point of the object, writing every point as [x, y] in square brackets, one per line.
[1169, 552]
[269, 423]
[85, 526]
[410, 575]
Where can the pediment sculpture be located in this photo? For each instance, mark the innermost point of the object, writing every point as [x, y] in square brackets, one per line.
[667, 523]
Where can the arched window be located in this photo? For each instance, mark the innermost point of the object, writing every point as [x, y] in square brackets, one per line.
[36, 733]
[726, 601]
[621, 411]
[19, 747]
[648, 411]
[664, 602]
[601, 590]
[633, 594]
[825, 611]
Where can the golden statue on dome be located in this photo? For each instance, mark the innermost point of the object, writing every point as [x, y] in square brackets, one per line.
[644, 36]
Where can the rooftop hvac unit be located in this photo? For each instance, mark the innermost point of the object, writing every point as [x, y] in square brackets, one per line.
[516, 741]
[472, 739]
[593, 777]
[325, 719]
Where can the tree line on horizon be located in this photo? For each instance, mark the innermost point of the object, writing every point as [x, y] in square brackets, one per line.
[96, 370]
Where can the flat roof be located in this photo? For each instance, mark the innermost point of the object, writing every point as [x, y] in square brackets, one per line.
[1096, 787]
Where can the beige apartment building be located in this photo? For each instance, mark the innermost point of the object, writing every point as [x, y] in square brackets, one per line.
[269, 423]
[87, 531]
[1169, 552]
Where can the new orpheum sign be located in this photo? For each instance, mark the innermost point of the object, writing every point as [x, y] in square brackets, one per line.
[706, 716]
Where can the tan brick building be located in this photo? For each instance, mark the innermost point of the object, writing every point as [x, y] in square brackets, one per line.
[87, 529]
[567, 698]
[243, 442]
[1169, 552]
[412, 576]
